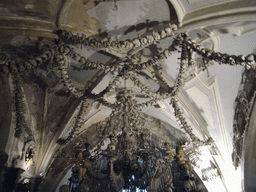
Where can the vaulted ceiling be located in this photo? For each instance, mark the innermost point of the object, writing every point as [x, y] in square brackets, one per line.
[207, 99]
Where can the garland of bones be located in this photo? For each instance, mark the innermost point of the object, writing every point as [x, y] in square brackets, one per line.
[59, 51]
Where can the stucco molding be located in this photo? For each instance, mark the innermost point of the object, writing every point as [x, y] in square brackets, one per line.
[212, 86]
[11, 25]
[179, 8]
[219, 14]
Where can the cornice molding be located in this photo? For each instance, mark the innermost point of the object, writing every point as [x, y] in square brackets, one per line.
[10, 25]
[220, 13]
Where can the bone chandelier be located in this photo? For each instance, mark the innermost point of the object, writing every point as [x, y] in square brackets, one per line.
[129, 146]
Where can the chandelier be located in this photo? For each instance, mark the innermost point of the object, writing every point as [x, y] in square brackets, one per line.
[132, 160]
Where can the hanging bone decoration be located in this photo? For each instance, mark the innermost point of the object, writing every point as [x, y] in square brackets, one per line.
[58, 53]
[19, 105]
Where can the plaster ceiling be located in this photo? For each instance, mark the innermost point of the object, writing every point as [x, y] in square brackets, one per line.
[208, 96]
